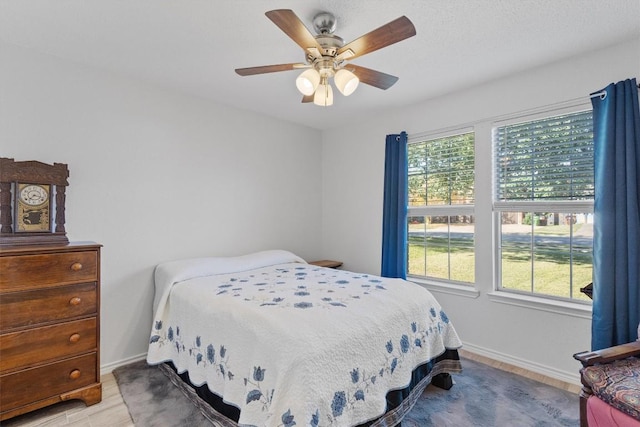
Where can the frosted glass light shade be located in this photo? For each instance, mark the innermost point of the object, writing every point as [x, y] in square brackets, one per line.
[307, 82]
[346, 81]
[324, 95]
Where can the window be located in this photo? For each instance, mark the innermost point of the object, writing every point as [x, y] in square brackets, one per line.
[543, 204]
[440, 214]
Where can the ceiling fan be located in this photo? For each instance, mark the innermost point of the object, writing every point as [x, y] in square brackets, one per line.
[326, 55]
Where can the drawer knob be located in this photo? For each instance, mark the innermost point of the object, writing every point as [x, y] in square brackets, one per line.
[74, 338]
[76, 266]
[75, 300]
[75, 374]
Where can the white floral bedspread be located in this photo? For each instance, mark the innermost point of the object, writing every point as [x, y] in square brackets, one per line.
[290, 343]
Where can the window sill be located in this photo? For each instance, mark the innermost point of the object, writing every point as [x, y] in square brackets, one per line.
[560, 307]
[446, 288]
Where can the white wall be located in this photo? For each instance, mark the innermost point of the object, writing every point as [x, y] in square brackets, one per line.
[353, 169]
[156, 176]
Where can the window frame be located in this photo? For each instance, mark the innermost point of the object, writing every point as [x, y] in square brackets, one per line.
[452, 286]
[514, 296]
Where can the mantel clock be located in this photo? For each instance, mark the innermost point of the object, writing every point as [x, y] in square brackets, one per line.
[32, 197]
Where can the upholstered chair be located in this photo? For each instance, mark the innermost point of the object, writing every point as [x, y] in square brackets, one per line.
[610, 393]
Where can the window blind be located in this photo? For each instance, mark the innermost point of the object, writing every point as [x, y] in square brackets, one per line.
[548, 159]
[441, 171]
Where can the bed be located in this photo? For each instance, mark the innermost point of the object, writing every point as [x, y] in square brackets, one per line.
[274, 341]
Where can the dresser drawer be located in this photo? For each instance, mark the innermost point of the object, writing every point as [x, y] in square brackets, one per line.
[24, 387]
[18, 309]
[21, 272]
[34, 346]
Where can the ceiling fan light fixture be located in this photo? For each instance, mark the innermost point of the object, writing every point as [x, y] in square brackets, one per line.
[325, 54]
[308, 81]
[323, 95]
[346, 81]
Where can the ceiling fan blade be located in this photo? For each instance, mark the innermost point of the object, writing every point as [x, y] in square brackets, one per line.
[269, 69]
[292, 26]
[393, 32]
[372, 77]
[307, 98]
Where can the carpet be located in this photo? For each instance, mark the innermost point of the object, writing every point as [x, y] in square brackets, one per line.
[482, 396]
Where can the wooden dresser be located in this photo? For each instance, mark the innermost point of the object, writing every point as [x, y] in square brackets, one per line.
[49, 326]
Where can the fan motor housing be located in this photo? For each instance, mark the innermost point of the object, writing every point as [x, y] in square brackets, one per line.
[330, 43]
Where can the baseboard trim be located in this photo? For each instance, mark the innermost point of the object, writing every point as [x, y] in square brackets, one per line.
[572, 378]
[109, 367]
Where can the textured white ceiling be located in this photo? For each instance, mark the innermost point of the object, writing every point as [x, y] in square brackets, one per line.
[195, 45]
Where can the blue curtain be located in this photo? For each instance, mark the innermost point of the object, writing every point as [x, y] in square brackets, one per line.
[616, 241]
[394, 215]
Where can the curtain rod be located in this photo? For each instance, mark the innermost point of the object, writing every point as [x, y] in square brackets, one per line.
[603, 93]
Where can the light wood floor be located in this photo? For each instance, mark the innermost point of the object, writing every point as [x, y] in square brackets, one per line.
[112, 411]
[573, 388]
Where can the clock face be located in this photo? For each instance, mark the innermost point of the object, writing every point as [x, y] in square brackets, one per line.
[33, 212]
[34, 195]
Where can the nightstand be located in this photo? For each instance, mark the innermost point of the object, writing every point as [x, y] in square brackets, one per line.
[327, 263]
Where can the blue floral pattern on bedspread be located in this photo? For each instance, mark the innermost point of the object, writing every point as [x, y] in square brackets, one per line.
[203, 355]
[361, 381]
[286, 338]
[313, 287]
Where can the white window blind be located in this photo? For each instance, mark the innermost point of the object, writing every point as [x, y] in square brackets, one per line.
[441, 171]
[545, 160]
